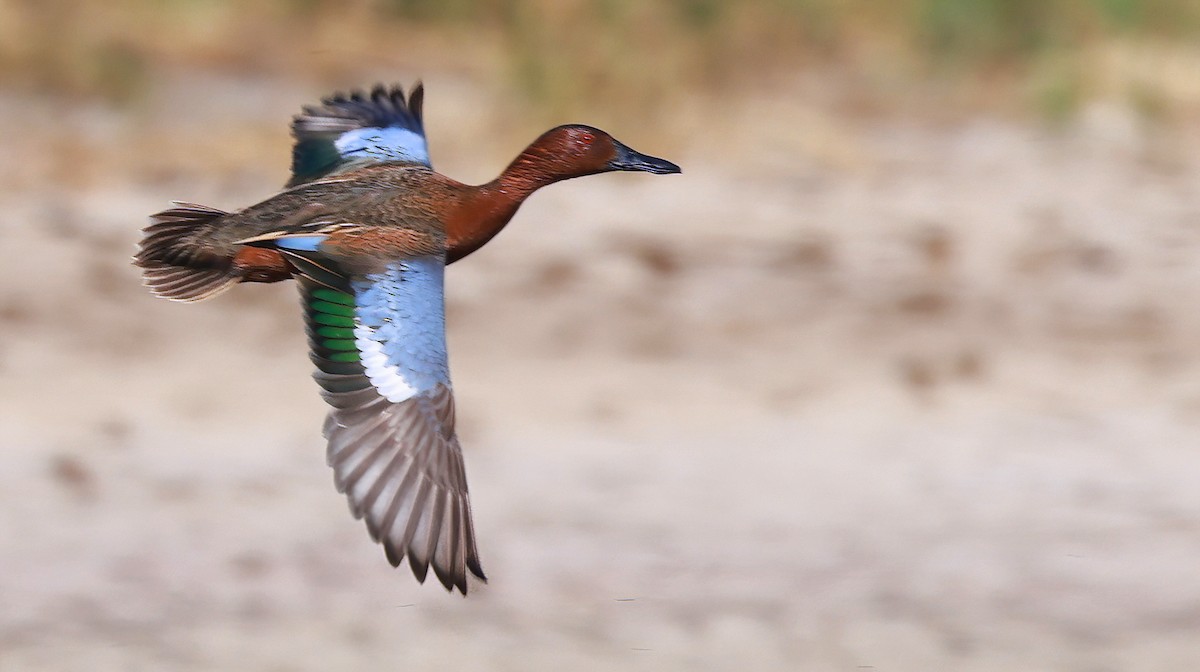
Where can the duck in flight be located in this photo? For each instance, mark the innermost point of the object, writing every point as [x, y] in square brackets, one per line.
[367, 227]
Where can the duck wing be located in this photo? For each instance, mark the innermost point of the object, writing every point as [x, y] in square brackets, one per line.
[348, 131]
[378, 341]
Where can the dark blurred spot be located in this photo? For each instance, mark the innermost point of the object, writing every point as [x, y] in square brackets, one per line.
[936, 247]
[104, 279]
[1145, 321]
[1165, 361]
[60, 221]
[604, 411]
[256, 608]
[73, 476]
[568, 334]
[1044, 255]
[925, 303]
[117, 430]
[112, 245]
[958, 643]
[654, 256]
[813, 254]
[1097, 259]
[917, 374]
[655, 340]
[1034, 260]
[360, 634]
[785, 398]
[968, 365]
[556, 275]
[457, 310]
[249, 565]
[739, 328]
[15, 310]
[176, 490]
[261, 488]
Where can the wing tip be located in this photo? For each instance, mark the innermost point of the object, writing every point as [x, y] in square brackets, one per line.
[449, 579]
[315, 152]
[379, 106]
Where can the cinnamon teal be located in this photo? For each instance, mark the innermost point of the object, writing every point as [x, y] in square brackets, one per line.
[367, 227]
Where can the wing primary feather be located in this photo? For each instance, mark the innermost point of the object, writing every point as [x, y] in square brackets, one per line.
[437, 521]
[388, 482]
[458, 565]
[346, 449]
[404, 493]
[416, 520]
[472, 552]
[416, 105]
[368, 462]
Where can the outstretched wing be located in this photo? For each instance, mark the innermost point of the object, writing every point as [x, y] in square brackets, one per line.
[378, 341]
[349, 131]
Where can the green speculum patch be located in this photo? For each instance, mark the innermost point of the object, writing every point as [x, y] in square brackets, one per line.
[335, 332]
[333, 296]
[332, 313]
[333, 320]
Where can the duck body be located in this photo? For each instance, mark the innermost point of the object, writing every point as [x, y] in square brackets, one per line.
[394, 198]
[391, 197]
[366, 227]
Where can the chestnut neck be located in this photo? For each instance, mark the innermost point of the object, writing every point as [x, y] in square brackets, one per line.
[487, 208]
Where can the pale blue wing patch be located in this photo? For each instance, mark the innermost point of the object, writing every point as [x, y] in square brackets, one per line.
[300, 243]
[400, 328]
[383, 144]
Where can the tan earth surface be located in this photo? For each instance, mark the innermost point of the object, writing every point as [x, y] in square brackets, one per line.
[848, 394]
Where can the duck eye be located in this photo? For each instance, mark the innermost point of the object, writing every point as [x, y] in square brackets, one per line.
[585, 139]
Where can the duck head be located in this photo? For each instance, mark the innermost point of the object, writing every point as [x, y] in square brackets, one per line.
[559, 154]
[576, 150]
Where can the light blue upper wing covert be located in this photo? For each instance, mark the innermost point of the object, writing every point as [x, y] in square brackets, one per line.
[400, 327]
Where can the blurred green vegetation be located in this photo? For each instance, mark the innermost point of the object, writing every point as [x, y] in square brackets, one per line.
[1047, 55]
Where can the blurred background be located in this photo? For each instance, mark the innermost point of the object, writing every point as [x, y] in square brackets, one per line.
[902, 373]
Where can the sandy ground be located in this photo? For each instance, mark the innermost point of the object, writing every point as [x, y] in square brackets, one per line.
[846, 395]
